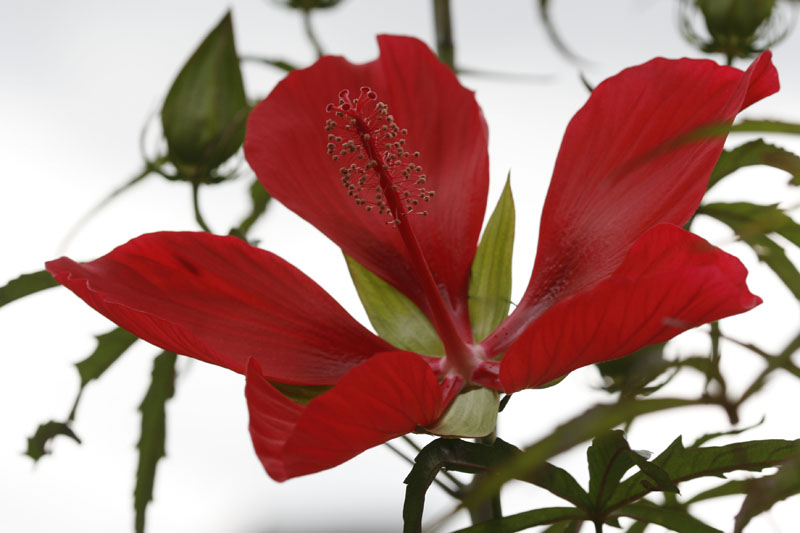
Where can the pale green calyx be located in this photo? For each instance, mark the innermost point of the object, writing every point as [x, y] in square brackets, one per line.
[473, 413]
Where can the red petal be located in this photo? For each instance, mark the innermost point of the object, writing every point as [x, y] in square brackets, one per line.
[617, 175]
[286, 140]
[388, 396]
[222, 301]
[670, 281]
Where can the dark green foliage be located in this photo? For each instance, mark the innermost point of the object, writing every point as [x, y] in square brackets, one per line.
[153, 435]
[37, 444]
[25, 285]
[757, 152]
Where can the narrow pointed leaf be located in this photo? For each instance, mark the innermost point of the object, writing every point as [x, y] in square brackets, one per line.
[37, 444]
[757, 152]
[521, 521]
[395, 318]
[682, 464]
[765, 492]
[608, 462]
[585, 426]
[715, 435]
[672, 519]
[729, 488]
[25, 285]
[751, 223]
[205, 111]
[490, 280]
[154, 432]
[110, 346]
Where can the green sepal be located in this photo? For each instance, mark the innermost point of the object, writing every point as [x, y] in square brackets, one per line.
[473, 413]
[490, 279]
[205, 111]
[396, 319]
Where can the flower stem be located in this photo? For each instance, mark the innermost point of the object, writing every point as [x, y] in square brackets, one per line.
[444, 32]
[312, 37]
[198, 216]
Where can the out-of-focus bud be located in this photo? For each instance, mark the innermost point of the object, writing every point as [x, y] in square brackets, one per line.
[205, 112]
[736, 28]
[308, 5]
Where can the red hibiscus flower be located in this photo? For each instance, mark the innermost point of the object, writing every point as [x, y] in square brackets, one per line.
[389, 160]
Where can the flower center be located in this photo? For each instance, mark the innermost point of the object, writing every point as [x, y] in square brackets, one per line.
[381, 175]
[377, 170]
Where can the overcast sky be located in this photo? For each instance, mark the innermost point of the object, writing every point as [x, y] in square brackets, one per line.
[77, 82]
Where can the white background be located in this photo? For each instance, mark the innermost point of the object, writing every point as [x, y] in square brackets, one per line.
[77, 82]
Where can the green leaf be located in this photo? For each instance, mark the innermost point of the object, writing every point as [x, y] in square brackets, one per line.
[537, 517]
[154, 432]
[205, 111]
[710, 436]
[751, 222]
[730, 488]
[110, 346]
[609, 458]
[594, 421]
[259, 198]
[25, 285]
[37, 444]
[756, 152]
[672, 519]
[463, 456]
[745, 126]
[301, 394]
[396, 318]
[765, 492]
[490, 280]
[566, 526]
[682, 464]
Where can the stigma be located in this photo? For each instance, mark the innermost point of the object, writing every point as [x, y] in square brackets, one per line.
[375, 166]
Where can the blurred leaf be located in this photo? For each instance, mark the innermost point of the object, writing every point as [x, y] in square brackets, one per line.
[735, 486]
[746, 126]
[259, 198]
[537, 517]
[756, 152]
[751, 222]
[555, 38]
[682, 464]
[109, 347]
[205, 111]
[637, 527]
[25, 285]
[765, 492]
[301, 394]
[154, 432]
[566, 526]
[630, 375]
[490, 280]
[396, 318]
[592, 422]
[673, 519]
[709, 436]
[37, 444]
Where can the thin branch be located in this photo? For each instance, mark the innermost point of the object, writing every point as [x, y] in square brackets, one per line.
[312, 37]
[198, 216]
[444, 33]
[452, 492]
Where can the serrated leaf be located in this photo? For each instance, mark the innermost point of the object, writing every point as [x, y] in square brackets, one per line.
[259, 199]
[37, 444]
[205, 110]
[490, 279]
[528, 519]
[609, 457]
[25, 285]
[765, 492]
[153, 433]
[673, 519]
[395, 318]
[756, 152]
[110, 346]
[585, 426]
[734, 486]
[463, 456]
[682, 464]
